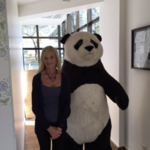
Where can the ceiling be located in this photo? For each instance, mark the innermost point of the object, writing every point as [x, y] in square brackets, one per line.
[53, 19]
[22, 2]
[50, 12]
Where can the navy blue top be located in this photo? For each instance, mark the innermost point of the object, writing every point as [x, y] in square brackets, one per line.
[41, 123]
[51, 101]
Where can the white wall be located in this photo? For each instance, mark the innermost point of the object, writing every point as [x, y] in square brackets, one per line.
[122, 68]
[109, 30]
[16, 63]
[138, 81]
[7, 132]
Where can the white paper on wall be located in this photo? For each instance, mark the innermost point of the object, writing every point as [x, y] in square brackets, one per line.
[140, 37]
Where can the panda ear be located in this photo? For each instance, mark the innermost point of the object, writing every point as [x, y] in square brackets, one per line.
[64, 39]
[98, 36]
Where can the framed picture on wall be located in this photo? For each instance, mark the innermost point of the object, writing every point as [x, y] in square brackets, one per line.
[141, 48]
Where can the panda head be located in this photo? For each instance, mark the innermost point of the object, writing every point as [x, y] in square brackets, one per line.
[82, 48]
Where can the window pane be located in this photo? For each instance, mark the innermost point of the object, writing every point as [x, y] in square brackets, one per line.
[84, 29]
[48, 31]
[62, 57]
[95, 13]
[29, 30]
[61, 45]
[61, 31]
[73, 21]
[30, 43]
[95, 28]
[30, 59]
[66, 31]
[40, 53]
[82, 17]
[46, 42]
[64, 27]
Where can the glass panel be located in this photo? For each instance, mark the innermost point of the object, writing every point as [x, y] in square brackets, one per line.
[61, 45]
[61, 30]
[82, 17]
[64, 27]
[29, 30]
[30, 59]
[48, 31]
[95, 13]
[66, 31]
[95, 28]
[30, 43]
[40, 53]
[45, 42]
[84, 29]
[58, 53]
[62, 57]
[73, 21]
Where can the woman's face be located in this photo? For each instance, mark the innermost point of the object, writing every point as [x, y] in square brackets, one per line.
[50, 60]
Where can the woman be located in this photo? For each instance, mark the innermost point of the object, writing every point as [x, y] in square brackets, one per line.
[50, 101]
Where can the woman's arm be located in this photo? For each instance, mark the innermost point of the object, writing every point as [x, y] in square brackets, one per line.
[66, 109]
[36, 105]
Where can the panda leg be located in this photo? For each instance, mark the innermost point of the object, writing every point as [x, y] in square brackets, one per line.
[103, 140]
[70, 144]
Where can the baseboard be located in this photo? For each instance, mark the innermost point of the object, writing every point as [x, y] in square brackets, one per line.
[115, 147]
[122, 148]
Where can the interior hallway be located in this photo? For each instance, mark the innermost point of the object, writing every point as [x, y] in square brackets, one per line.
[31, 142]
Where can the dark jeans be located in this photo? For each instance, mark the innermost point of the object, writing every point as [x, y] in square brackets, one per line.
[57, 144]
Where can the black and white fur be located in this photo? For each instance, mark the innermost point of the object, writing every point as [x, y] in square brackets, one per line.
[90, 83]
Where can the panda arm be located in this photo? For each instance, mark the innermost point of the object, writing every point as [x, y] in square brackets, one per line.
[115, 92]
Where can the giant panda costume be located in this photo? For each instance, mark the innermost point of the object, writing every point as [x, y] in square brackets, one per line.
[89, 121]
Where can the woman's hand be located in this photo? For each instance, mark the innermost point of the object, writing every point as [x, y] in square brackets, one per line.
[59, 129]
[54, 132]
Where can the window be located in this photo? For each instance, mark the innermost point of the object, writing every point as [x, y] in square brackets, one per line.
[95, 13]
[64, 27]
[35, 38]
[83, 20]
[73, 21]
[95, 27]
[84, 29]
[61, 30]
[82, 17]
[29, 30]
[30, 60]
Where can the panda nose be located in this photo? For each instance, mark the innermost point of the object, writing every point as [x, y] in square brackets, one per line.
[89, 48]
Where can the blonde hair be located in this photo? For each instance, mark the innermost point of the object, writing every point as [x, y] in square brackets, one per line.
[44, 52]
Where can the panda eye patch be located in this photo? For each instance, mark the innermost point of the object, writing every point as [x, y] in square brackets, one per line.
[94, 43]
[78, 44]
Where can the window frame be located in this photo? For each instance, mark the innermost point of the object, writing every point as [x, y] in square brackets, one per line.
[38, 46]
